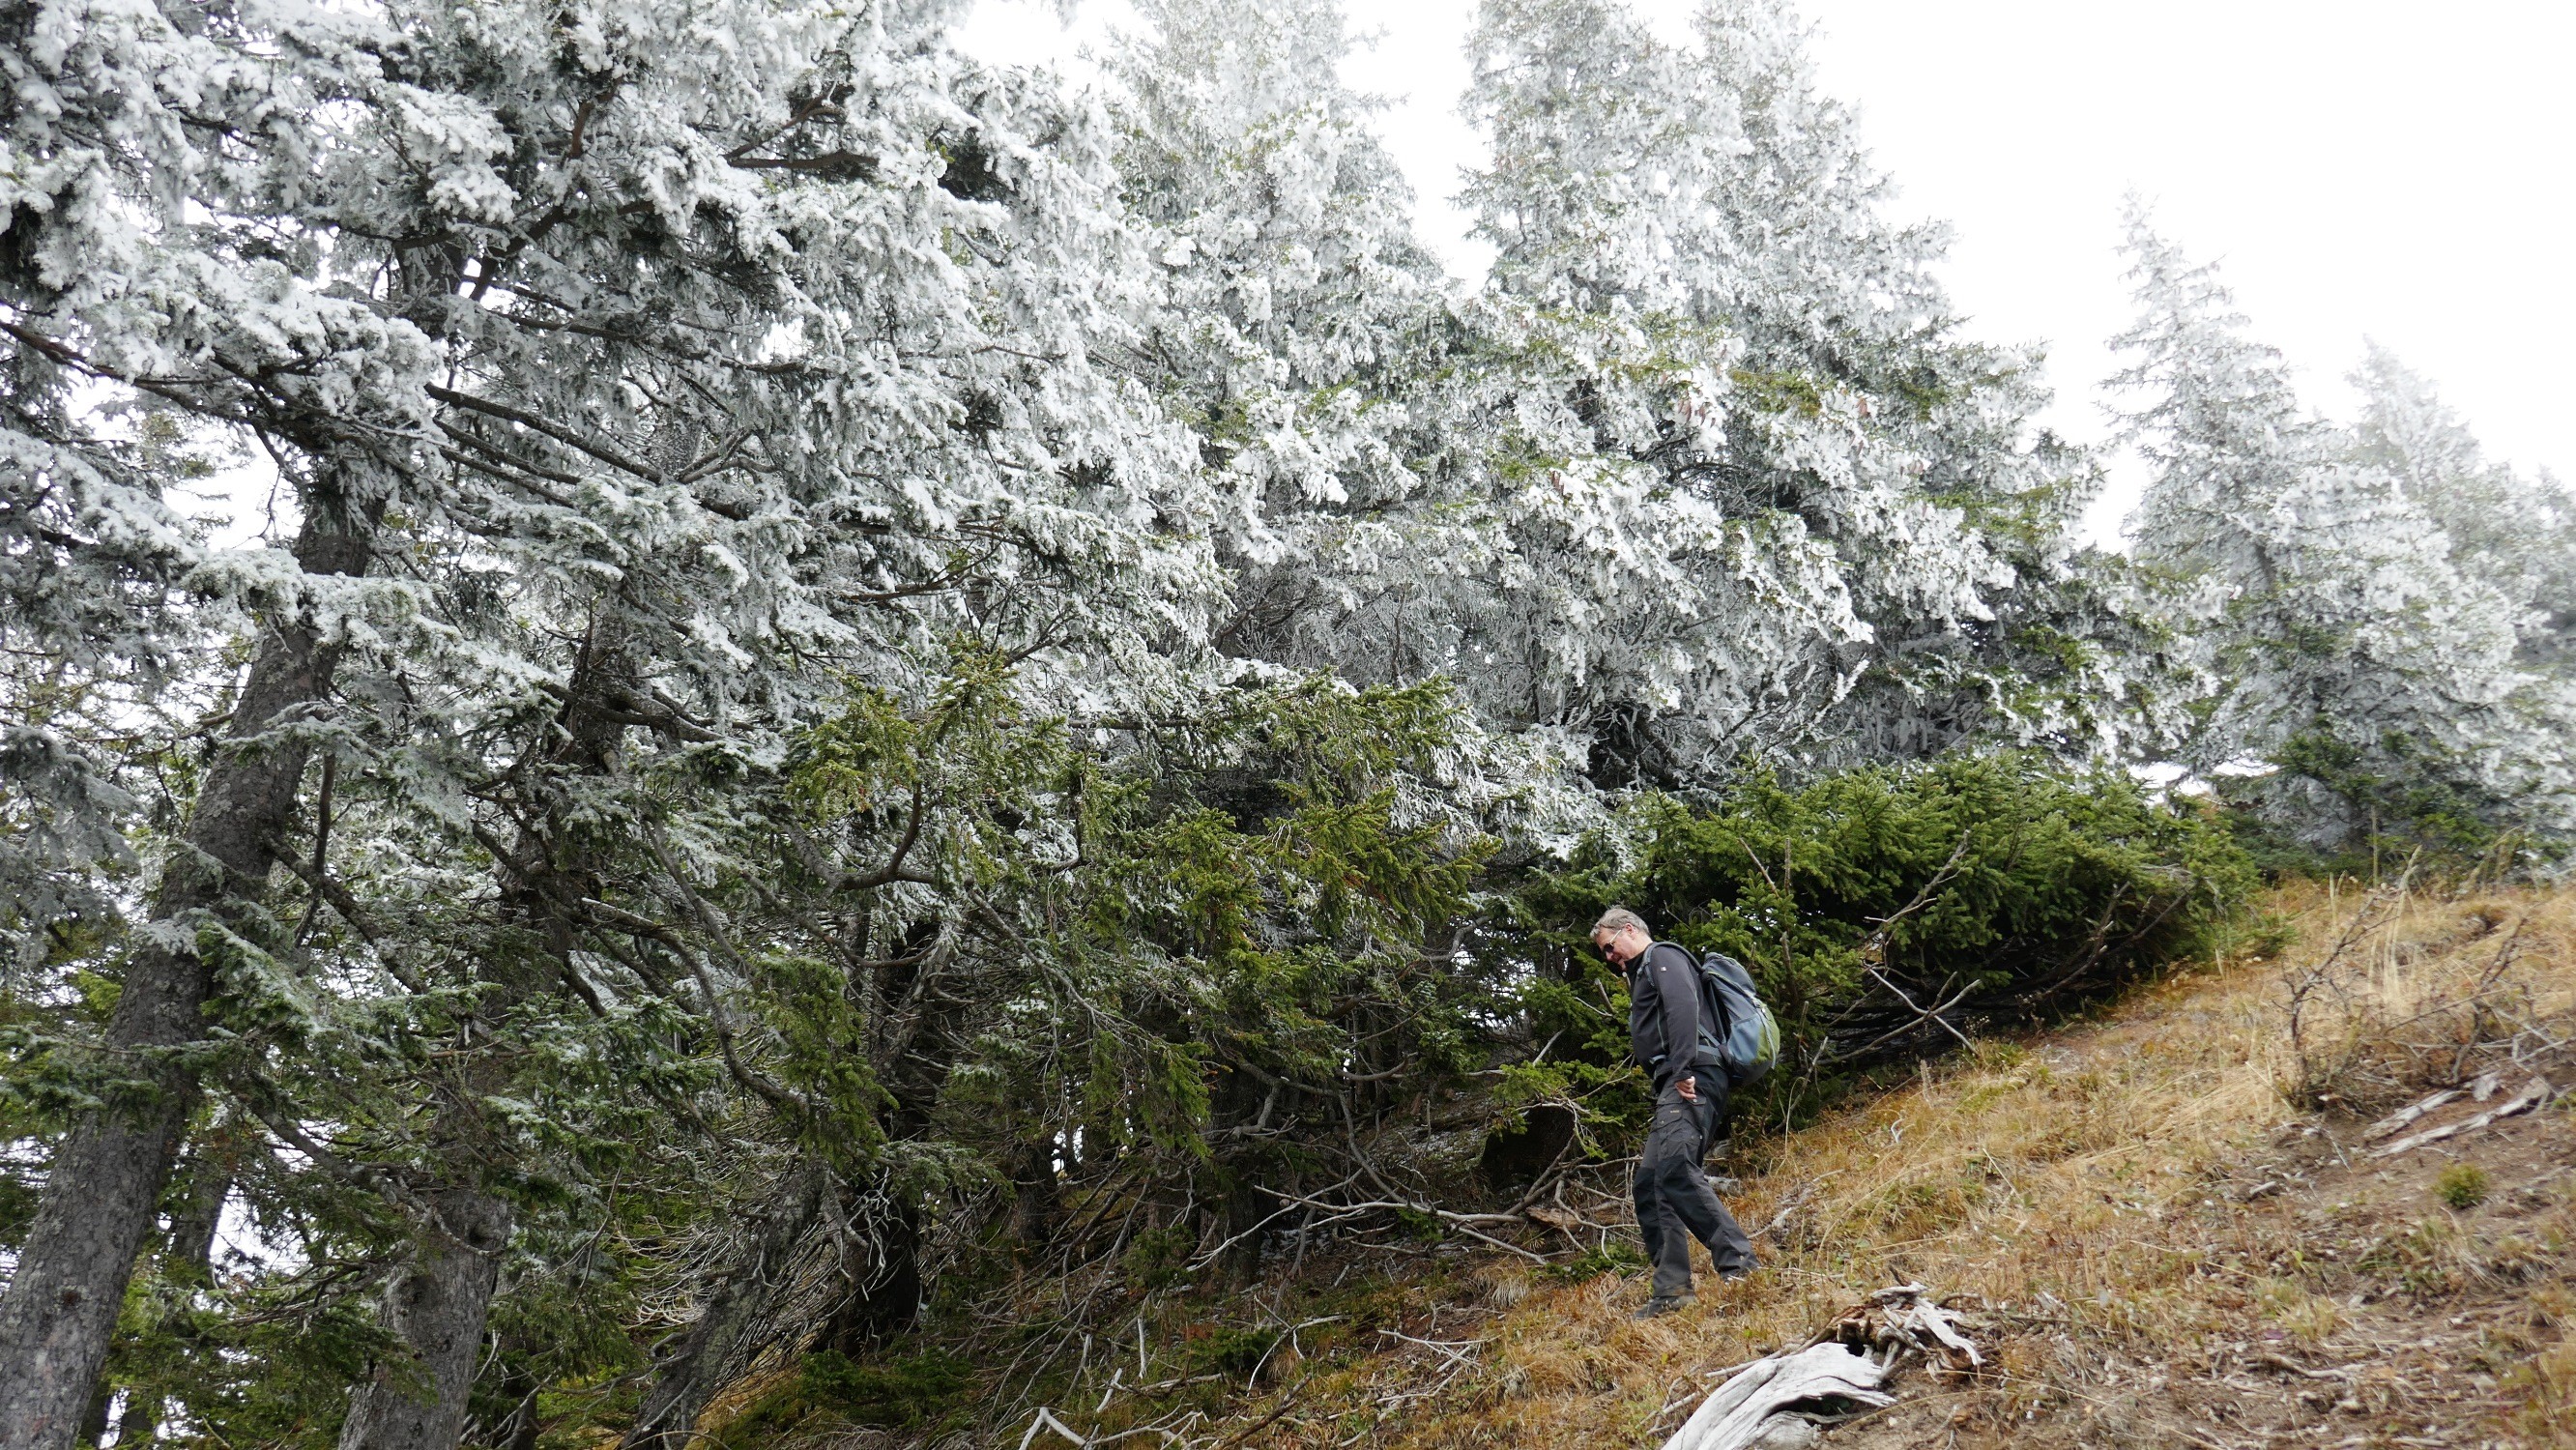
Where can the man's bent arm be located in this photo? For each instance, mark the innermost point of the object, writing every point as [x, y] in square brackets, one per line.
[1677, 984]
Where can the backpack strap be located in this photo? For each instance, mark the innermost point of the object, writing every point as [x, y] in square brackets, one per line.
[1713, 1030]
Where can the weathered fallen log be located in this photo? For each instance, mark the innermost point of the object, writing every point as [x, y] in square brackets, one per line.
[2408, 1114]
[2533, 1094]
[1774, 1402]
[1820, 1380]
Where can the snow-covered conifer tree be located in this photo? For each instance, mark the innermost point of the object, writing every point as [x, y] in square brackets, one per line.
[148, 157]
[640, 377]
[2348, 648]
[1300, 326]
[1764, 502]
[2517, 534]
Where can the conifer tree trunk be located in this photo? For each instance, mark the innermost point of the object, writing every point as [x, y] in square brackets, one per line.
[740, 1317]
[1241, 1103]
[440, 1304]
[715, 1346]
[1037, 1200]
[104, 1187]
[437, 1308]
[891, 1301]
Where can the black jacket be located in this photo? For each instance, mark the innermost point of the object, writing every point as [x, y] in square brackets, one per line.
[1663, 1012]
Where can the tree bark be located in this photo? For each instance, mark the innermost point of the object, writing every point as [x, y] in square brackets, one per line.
[1037, 1201]
[104, 1188]
[440, 1305]
[721, 1342]
[188, 1268]
[437, 1308]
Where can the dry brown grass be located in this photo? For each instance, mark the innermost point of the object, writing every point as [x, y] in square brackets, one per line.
[2547, 1415]
[2112, 1193]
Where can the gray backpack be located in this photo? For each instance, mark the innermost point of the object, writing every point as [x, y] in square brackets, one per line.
[1734, 1026]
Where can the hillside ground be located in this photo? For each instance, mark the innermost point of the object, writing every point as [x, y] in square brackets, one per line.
[2164, 1226]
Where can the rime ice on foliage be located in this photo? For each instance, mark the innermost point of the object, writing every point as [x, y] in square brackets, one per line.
[1697, 475]
[2350, 638]
[1760, 500]
[815, 313]
[2515, 534]
[1296, 320]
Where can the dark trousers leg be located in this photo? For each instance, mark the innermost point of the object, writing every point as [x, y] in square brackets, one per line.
[1660, 1238]
[1674, 1202]
[1728, 1248]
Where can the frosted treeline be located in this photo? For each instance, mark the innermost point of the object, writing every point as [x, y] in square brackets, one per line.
[768, 511]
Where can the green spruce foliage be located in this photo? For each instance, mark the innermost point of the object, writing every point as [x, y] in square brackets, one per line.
[1886, 912]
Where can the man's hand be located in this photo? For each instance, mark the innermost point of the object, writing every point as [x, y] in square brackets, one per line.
[1689, 1087]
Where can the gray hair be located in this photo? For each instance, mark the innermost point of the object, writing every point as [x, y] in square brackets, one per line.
[1618, 919]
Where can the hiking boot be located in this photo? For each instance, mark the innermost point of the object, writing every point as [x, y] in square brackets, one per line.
[1744, 1271]
[1661, 1305]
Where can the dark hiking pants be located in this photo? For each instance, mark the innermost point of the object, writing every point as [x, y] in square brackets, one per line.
[1674, 1201]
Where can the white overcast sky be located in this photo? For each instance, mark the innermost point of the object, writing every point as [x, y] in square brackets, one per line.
[2359, 167]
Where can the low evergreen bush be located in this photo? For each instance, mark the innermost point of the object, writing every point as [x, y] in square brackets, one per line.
[1996, 890]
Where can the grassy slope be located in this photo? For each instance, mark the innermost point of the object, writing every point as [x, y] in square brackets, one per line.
[2164, 1241]
[2159, 1245]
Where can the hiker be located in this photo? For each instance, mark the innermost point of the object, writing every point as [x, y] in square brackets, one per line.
[1674, 1202]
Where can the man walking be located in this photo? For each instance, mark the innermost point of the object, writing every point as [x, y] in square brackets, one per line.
[1674, 1201]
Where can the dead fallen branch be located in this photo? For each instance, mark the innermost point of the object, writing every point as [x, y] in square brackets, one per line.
[1789, 1207]
[1823, 1381]
[2408, 1114]
[2289, 1366]
[2533, 1094]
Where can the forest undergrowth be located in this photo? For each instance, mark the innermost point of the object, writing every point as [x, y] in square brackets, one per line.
[2164, 1224]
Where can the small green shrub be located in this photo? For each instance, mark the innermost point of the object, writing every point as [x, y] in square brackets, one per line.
[1226, 1349]
[2268, 935]
[1594, 1262]
[2462, 1186]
